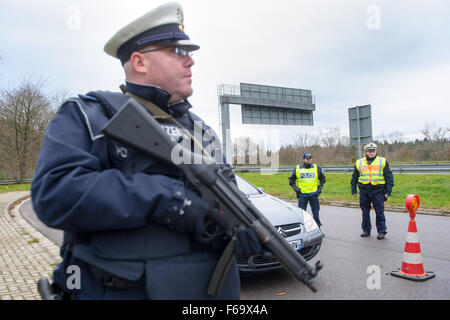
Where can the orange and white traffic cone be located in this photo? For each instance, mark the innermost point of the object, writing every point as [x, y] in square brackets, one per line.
[412, 266]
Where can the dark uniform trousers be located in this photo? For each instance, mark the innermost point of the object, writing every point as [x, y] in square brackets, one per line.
[365, 201]
[315, 206]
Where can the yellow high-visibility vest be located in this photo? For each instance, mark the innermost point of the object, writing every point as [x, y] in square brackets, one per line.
[307, 179]
[371, 173]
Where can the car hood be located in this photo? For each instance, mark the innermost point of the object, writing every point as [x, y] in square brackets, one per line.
[277, 211]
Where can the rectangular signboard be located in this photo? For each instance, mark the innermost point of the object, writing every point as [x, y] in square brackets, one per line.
[360, 122]
[276, 116]
[296, 98]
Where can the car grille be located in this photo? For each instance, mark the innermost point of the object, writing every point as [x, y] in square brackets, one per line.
[288, 230]
[307, 253]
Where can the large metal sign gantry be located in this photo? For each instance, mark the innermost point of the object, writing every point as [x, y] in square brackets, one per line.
[264, 105]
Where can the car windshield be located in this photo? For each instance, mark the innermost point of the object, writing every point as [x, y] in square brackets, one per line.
[246, 187]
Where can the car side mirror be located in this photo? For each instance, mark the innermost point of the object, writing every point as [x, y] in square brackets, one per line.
[261, 189]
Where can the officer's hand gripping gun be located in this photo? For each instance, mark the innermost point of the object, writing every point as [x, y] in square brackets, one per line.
[134, 126]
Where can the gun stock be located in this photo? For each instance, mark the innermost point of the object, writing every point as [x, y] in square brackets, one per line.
[133, 125]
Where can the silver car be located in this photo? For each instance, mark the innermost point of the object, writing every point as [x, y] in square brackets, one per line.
[293, 223]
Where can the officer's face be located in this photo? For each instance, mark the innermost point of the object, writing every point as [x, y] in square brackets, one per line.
[371, 153]
[307, 160]
[171, 72]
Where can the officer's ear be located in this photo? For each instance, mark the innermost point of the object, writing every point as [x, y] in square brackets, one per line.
[138, 62]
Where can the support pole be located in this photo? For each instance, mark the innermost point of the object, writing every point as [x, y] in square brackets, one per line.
[226, 137]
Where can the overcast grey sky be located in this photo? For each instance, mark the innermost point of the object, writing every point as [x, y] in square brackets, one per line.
[394, 55]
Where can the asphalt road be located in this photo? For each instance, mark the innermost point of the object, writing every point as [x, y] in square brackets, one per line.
[354, 267]
[350, 262]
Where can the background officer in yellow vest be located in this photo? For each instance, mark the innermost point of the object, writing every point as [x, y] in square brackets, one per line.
[307, 181]
[375, 182]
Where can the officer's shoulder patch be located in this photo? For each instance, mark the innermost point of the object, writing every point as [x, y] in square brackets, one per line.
[119, 151]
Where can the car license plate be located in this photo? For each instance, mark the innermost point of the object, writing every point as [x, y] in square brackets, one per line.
[297, 245]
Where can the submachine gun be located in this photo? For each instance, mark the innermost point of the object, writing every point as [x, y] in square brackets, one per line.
[133, 125]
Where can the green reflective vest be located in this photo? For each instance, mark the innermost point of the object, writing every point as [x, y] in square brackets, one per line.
[371, 173]
[307, 179]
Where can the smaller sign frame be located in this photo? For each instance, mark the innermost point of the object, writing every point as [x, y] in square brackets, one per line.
[360, 125]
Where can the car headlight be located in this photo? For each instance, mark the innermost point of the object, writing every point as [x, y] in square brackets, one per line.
[310, 224]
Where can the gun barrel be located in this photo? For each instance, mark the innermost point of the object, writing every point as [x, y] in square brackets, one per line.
[291, 260]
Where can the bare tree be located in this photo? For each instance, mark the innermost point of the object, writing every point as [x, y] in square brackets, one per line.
[394, 137]
[24, 114]
[245, 151]
[433, 133]
[304, 140]
[330, 137]
[436, 138]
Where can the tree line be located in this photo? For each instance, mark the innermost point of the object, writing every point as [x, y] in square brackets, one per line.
[329, 147]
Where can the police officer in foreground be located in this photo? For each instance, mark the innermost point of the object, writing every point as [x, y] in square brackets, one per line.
[131, 221]
[307, 180]
[375, 182]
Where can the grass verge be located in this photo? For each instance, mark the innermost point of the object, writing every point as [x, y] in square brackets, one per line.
[433, 189]
[14, 187]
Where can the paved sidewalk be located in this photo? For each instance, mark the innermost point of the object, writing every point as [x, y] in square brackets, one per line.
[25, 253]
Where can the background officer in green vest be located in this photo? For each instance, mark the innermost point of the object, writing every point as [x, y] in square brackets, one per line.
[375, 182]
[307, 180]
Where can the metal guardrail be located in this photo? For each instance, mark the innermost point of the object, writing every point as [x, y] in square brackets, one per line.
[410, 168]
[8, 182]
[403, 168]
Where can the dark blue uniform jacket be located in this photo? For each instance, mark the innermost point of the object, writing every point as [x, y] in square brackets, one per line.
[105, 195]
